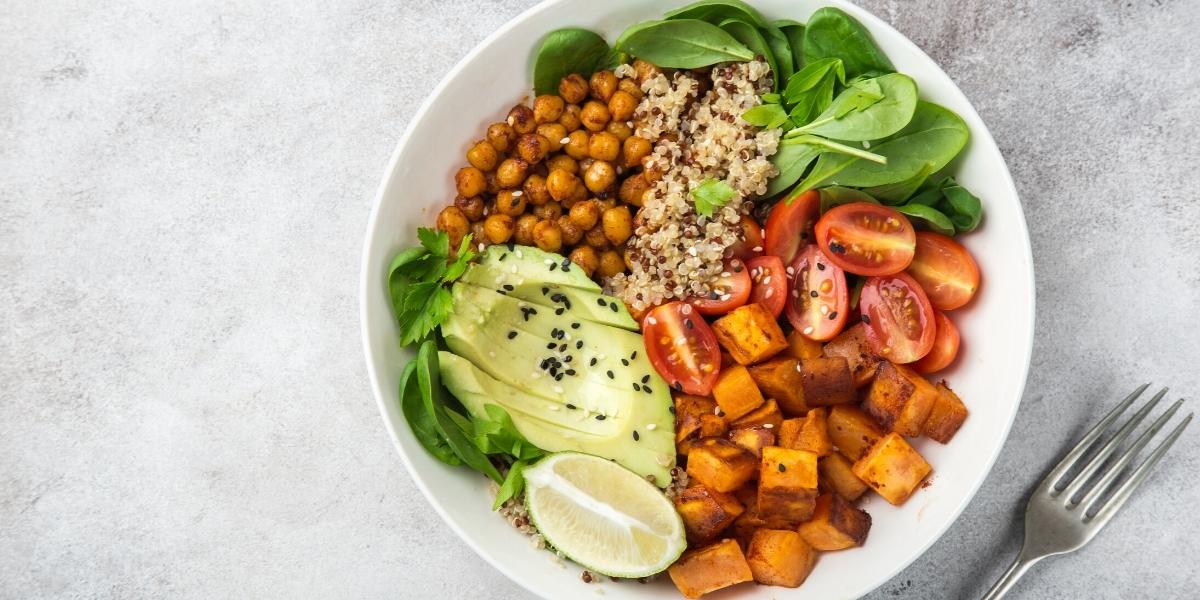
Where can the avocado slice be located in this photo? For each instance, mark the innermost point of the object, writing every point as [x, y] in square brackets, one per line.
[535, 365]
[529, 262]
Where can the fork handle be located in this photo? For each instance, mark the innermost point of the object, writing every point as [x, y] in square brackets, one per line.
[1010, 577]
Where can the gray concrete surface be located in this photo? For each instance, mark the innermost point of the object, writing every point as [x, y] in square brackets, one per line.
[183, 191]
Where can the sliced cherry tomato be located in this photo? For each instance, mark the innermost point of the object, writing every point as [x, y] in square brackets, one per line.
[731, 290]
[819, 301]
[682, 348]
[751, 244]
[866, 239]
[790, 226]
[945, 270]
[770, 283]
[945, 346]
[898, 317]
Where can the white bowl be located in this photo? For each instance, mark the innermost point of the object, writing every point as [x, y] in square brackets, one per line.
[997, 328]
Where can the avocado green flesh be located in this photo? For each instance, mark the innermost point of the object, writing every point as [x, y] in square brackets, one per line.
[535, 264]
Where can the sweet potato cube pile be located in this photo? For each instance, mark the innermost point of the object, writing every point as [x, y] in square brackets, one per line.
[795, 433]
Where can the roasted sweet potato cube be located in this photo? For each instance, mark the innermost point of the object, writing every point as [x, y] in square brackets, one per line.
[836, 474]
[736, 392]
[852, 431]
[826, 381]
[800, 347]
[712, 567]
[900, 399]
[807, 433]
[787, 484]
[720, 464]
[835, 525]
[688, 410]
[711, 425]
[947, 415]
[779, 378]
[892, 468]
[706, 512]
[766, 415]
[780, 557]
[753, 439]
[750, 334]
[852, 345]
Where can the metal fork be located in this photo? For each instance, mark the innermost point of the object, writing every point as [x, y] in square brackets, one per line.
[1057, 520]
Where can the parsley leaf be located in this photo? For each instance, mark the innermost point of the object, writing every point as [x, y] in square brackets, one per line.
[416, 282]
[710, 195]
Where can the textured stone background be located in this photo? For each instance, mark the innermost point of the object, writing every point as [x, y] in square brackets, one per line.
[183, 192]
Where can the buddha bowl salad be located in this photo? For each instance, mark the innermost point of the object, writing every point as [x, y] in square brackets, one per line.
[683, 308]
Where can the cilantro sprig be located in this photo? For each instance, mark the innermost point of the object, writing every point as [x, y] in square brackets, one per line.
[710, 195]
[417, 282]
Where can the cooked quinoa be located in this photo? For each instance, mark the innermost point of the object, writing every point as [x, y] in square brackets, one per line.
[676, 253]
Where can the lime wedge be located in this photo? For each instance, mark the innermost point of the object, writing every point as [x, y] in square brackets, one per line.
[602, 515]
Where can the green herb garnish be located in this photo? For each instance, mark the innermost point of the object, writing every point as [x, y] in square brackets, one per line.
[417, 282]
[710, 195]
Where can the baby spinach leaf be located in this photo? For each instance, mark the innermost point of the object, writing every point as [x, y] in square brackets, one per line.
[514, 484]
[960, 206]
[435, 398]
[827, 145]
[566, 51]
[715, 11]
[753, 39]
[831, 33]
[794, 31]
[710, 195]
[869, 109]
[770, 98]
[420, 420]
[790, 160]
[837, 195]
[766, 115]
[781, 48]
[897, 193]
[683, 44]
[927, 217]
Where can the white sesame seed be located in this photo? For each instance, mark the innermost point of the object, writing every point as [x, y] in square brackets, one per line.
[520, 254]
[726, 274]
[517, 193]
[651, 426]
[791, 271]
[512, 269]
[652, 320]
[686, 309]
[554, 407]
[807, 330]
[481, 246]
[768, 293]
[768, 425]
[679, 341]
[726, 297]
[548, 262]
[535, 375]
[795, 293]
[766, 280]
[558, 389]
[717, 411]
[866, 144]
[757, 249]
[798, 369]
[565, 140]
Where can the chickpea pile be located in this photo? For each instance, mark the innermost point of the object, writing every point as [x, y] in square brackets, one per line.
[562, 175]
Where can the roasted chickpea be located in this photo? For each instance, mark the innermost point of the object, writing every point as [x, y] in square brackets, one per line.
[511, 203]
[521, 119]
[628, 257]
[577, 144]
[478, 236]
[594, 115]
[571, 233]
[470, 181]
[585, 214]
[604, 146]
[535, 190]
[595, 238]
[562, 162]
[621, 129]
[611, 263]
[644, 70]
[511, 173]
[483, 156]
[555, 133]
[633, 150]
[650, 168]
[561, 184]
[584, 163]
[605, 203]
[547, 108]
[618, 225]
[501, 136]
[523, 230]
[471, 206]
[633, 189]
[548, 236]
[549, 211]
[586, 258]
[532, 148]
[603, 84]
[498, 228]
[629, 86]
[492, 186]
[621, 105]
[573, 88]
[580, 194]
[599, 176]
[570, 118]
[454, 223]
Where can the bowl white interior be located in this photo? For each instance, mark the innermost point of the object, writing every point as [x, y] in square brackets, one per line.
[997, 328]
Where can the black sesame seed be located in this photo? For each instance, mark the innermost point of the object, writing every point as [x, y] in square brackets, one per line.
[558, 377]
[533, 311]
[679, 388]
[509, 287]
[614, 308]
[636, 437]
[556, 298]
[646, 388]
[559, 310]
[713, 295]
[550, 346]
[782, 468]
[545, 291]
[592, 363]
[813, 293]
[625, 361]
[502, 257]
[566, 264]
[502, 292]
[601, 302]
[633, 356]
[833, 315]
[737, 268]
[645, 378]
[562, 347]
[637, 388]
[570, 372]
[569, 358]
[570, 406]
[672, 407]
[579, 345]
[512, 334]
[688, 323]
[511, 246]
[600, 417]
[553, 266]
[866, 319]
[574, 325]
[820, 266]
[610, 375]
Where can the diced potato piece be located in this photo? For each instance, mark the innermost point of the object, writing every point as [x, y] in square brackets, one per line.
[826, 381]
[720, 464]
[835, 525]
[892, 468]
[703, 570]
[706, 512]
[835, 473]
[852, 431]
[852, 345]
[766, 415]
[753, 439]
[750, 333]
[900, 399]
[779, 378]
[947, 415]
[696, 419]
[736, 392]
[710, 426]
[801, 347]
[807, 433]
[780, 557]
[787, 484]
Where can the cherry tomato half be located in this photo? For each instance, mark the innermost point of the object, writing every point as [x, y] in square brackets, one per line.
[751, 244]
[945, 270]
[770, 283]
[819, 300]
[731, 290]
[898, 318]
[682, 348]
[866, 239]
[790, 226]
[945, 346]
